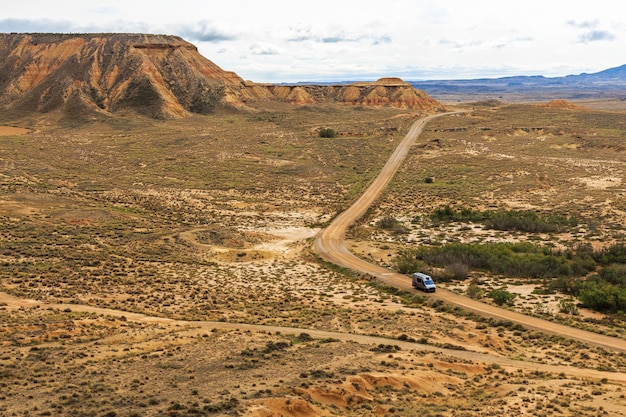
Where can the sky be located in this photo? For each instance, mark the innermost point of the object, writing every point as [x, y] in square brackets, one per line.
[333, 40]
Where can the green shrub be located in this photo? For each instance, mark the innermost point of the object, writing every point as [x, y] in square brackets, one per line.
[604, 291]
[502, 297]
[392, 224]
[568, 307]
[474, 291]
[597, 298]
[457, 270]
[614, 254]
[523, 221]
[406, 263]
[327, 132]
[600, 295]
[614, 274]
[450, 214]
[524, 260]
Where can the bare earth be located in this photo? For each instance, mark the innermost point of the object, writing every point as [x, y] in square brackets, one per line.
[206, 326]
[10, 130]
[150, 286]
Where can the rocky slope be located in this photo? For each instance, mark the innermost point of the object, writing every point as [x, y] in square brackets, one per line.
[562, 104]
[159, 76]
[154, 75]
[384, 92]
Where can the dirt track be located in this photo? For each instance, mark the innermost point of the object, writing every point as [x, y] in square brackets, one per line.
[206, 326]
[329, 244]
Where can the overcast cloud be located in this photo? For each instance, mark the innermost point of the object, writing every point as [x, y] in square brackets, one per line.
[278, 41]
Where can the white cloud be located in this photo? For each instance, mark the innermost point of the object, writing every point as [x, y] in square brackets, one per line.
[596, 36]
[586, 24]
[205, 31]
[370, 34]
[36, 25]
[261, 48]
[277, 41]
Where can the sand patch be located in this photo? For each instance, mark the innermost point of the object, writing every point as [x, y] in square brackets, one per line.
[291, 407]
[230, 245]
[11, 130]
[601, 183]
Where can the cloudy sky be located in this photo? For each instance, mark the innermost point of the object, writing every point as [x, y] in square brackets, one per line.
[336, 40]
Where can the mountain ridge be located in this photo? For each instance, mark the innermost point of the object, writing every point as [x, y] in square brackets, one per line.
[609, 83]
[159, 76]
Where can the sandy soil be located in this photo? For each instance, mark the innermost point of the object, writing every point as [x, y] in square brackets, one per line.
[425, 372]
[10, 130]
[146, 299]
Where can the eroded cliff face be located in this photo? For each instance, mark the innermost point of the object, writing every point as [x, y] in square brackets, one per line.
[384, 92]
[154, 75]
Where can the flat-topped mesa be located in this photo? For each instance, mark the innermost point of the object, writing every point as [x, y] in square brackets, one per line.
[159, 76]
[392, 92]
[155, 75]
[391, 81]
[387, 81]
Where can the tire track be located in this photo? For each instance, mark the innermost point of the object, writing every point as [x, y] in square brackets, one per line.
[207, 326]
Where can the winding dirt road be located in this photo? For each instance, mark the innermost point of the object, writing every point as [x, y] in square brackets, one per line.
[329, 245]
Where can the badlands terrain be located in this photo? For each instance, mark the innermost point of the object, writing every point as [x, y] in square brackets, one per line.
[166, 268]
[157, 263]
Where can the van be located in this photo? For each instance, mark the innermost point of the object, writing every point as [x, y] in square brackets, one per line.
[423, 282]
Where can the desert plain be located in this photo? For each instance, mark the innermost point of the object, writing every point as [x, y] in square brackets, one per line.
[162, 268]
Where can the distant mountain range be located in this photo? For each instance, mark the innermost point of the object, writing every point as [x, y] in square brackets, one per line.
[610, 83]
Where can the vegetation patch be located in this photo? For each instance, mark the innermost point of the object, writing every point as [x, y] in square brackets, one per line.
[522, 259]
[510, 220]
[327, 132]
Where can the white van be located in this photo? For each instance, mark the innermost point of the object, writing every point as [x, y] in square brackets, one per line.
[423, 282]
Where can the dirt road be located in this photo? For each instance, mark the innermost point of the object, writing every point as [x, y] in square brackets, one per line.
[329, 244]
[198, 327]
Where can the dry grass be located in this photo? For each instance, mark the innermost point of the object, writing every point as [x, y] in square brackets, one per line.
[209, 219]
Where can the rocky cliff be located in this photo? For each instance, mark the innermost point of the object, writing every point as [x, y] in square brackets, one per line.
[159, 76]
[154, 75]
[384, 92]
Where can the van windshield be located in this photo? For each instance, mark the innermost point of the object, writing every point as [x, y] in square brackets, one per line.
[428, 281]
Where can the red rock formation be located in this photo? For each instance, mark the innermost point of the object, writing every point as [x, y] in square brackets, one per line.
[562, 104]
[155, 75]
[384, 92]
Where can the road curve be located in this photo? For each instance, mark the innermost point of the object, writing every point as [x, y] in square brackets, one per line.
[330, 246]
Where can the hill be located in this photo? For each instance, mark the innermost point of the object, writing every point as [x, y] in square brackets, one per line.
[154, 75]
[392, 92]
[158, 76]
[610, 83]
